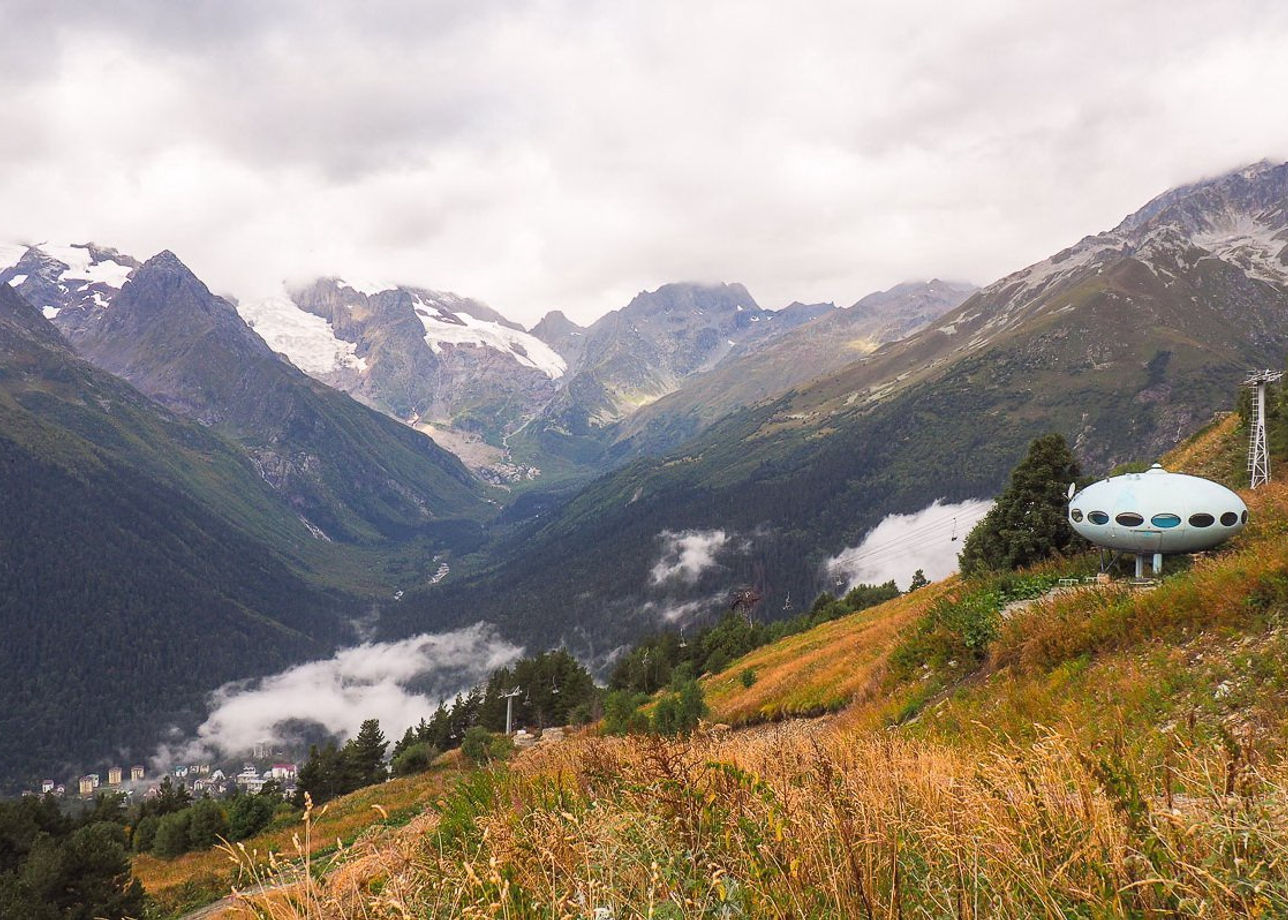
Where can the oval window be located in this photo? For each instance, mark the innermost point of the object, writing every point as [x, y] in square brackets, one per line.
[1097, 517]
[1244, 517]
[1202, 519]
[1076, 515]
[1165, 520]
[1229, 519]
[1130, 519]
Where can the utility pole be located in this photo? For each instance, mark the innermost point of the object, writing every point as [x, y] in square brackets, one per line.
[509, 696]
[1258, 455]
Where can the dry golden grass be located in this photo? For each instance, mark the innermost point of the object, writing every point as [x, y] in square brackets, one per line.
[801, 821]
[336, 825]
[820, 670]
[1210, 453]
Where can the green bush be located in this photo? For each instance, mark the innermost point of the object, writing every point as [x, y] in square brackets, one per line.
[414, 759]
[145, 832]
[248, 815]
[679, 711]
[956, 633]
[206, 824]
[622, 712]
[481, 746]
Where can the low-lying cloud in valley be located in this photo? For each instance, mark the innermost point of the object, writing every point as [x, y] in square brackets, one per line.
[903, 543]
[396, 682]
[688, 554]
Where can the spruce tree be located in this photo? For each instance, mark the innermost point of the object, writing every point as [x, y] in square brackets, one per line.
[1028, 522]
[365, 756]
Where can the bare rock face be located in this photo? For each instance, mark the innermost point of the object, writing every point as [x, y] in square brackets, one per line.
[70, 285]
[636, 355]
[563, 335]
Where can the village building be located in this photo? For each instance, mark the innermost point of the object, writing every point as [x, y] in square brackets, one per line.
[114, 776]
[136, 773]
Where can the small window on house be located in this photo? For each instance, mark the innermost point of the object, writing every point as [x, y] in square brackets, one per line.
[1165, 520]
[1202, 519]
[1076, 515]
[1130, 519]
[1229, 519]
[1097, 517]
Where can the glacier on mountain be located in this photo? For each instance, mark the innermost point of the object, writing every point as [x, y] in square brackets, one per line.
[308, 341]
[450, 328]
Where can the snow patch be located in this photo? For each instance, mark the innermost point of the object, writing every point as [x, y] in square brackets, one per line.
[443, 327]
[10, 253]
[1252, 246]
[368, 287]
[16, 280]
[50, 312]
[308, 341]
[82, 267]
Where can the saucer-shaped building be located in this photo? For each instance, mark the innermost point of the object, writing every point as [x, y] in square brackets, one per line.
[1156, 513]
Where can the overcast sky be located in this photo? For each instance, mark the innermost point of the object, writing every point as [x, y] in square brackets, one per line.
[543, 155]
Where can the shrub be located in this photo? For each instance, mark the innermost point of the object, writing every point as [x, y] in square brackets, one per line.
[206, 824]
[248, 815]
[679, 711]
[622, 712]
[415, 759]
[481, 746]
[145, 833]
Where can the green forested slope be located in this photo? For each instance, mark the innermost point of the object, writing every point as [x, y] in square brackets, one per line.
[124, 596]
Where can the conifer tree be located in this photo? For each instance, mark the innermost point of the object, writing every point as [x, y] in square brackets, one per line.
[1028, 522]
[365, 756]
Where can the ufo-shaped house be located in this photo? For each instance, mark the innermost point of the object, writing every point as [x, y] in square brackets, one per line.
[1156, 513]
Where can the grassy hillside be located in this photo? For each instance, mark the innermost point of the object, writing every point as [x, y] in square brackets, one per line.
[369, 814]
[1108, 753]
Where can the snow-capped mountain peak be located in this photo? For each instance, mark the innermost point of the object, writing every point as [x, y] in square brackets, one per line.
[1237, 218]
[81, 277]
[456, 327]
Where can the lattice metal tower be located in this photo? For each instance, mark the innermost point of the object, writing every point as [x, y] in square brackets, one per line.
[1258, 455]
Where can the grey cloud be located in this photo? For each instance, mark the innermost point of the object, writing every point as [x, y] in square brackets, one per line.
[568, 154]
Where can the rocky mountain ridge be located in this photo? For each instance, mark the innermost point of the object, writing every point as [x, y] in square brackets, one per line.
[824, 340]
[353, 474]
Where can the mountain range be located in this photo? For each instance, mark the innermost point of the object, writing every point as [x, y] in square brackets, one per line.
[586, 484]
[521, 406]
[1124, 342]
